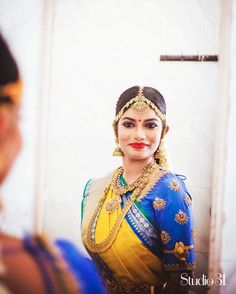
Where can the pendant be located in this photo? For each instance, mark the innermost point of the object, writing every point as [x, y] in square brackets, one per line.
[113, 204]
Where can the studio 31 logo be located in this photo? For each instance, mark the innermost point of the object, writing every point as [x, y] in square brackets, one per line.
[219, 280]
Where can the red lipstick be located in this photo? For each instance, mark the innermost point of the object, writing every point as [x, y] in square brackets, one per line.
[138, 146]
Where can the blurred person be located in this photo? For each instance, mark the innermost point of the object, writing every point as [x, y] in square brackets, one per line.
[33, 265]
[137, 221]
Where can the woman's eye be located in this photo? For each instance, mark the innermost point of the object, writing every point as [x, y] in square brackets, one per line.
[128, 124]
[151, 125]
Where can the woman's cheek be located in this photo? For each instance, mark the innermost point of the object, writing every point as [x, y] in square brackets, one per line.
[124, 134]
[155, 138]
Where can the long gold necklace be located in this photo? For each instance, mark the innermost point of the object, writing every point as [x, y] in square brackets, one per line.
[137, 187]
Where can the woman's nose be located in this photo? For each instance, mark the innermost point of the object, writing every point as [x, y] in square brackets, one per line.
[139, 134]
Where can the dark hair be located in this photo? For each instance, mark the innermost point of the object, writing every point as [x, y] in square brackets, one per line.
[8, 68]
[149, 92]
[8, 71]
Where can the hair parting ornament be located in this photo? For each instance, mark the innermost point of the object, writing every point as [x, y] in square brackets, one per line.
[140, 103]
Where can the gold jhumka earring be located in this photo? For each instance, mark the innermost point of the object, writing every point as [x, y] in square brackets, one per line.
[117, 151]
[160, 155]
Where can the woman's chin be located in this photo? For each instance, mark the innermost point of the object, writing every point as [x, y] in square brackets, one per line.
[138, 155]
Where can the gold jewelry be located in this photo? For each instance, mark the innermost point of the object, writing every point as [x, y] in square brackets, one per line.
[161, 155]
[140, 106]
[140, 182]
[113, 204]
[140, 102]
[180, 250]
[13, 90]
[117, 151]
[89, 238]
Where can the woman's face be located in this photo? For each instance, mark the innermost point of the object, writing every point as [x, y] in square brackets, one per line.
[10, 140]
[139, 134]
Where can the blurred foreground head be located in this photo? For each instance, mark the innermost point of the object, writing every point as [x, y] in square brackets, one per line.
[10, 93]
[33, 264]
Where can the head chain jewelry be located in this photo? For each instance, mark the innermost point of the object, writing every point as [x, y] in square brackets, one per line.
[140, 103]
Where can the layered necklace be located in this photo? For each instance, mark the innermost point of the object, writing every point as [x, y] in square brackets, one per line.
[120, 190]
[136, 187]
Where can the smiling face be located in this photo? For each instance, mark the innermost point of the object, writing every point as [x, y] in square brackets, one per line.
[139, 134]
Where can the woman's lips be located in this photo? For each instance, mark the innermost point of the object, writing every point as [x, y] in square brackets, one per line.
[138, 146]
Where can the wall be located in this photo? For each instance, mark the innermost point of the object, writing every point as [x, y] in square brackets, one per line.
[227, 258]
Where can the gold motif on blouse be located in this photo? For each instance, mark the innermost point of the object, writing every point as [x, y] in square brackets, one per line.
[187, 199]
[175, 186]
[181, 217]
[159, 203]
[165, 237]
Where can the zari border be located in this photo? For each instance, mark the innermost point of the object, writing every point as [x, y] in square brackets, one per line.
[178, 267]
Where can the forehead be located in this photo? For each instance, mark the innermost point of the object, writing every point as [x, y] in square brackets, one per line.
[147, 114]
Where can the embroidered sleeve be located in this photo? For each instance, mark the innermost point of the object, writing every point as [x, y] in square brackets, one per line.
[173, 211]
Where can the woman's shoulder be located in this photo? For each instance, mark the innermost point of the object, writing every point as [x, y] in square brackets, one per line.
[171, 178]
[168, 182]
[94, 184]
[170, 188]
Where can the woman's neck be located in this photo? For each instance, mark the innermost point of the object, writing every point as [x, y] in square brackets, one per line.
[133, 168]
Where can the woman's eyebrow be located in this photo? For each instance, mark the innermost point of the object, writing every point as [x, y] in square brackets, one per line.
[151, 119]
[146, 120]
[128, 118]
